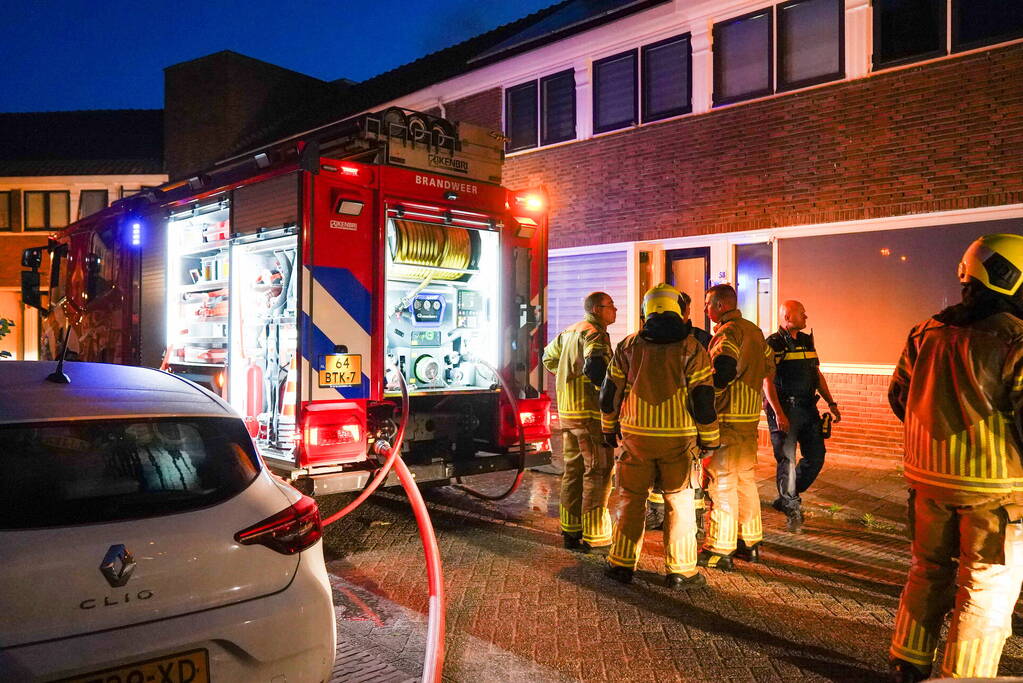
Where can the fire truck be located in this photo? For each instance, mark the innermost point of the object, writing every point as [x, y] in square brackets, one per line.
[299, 280]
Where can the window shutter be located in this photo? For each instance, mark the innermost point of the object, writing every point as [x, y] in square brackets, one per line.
[666, 79]
[557, 102]
[520, 116]
[571, 278]
[809, 42]
[742, 57]
[614, 98]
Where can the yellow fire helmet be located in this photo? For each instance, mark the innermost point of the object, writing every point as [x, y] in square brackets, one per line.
[662, 298]
[996, 261]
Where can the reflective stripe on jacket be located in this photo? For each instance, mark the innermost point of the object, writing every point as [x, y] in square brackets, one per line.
[959, 391]
[565, 356]
[740, 401]
[652, 384]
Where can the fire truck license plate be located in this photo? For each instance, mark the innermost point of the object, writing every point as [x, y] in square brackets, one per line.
[187, 667]
[343, 370]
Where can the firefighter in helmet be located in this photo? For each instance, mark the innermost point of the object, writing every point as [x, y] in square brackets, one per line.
[742, 360]
[578, 356]
[958, 388]
[658, 395]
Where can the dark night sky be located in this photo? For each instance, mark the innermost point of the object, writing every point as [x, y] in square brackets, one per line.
[78, 54]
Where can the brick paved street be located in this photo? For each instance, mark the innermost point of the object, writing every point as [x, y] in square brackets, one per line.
[520, 608]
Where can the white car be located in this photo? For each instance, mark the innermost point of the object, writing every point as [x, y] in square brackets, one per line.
[143, 540]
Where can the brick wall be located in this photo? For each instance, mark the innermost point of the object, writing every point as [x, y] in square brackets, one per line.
[941, 136]
[483, 109]
[868, 426]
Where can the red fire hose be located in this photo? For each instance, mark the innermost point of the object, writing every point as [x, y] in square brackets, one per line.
[522, 443]
[433, 665]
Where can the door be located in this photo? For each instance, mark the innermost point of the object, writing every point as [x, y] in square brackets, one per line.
[688, 270]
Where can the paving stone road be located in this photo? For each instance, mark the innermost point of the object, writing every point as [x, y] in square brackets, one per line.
[520, 608]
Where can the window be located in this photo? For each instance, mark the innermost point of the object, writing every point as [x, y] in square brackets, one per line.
[5, 211]
[983, 22]
[58, 275]
[520, 114]
[91, 201]
[811, 44]
[614, 92]
[908, 30]
[557, 107]
[667, 78]
[47, 210]
[743, 66]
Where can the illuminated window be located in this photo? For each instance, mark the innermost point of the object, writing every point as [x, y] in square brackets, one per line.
[811, 45]
[614, 92]
[92, 201]
[743, 66]
[5, 211]
[47, 210]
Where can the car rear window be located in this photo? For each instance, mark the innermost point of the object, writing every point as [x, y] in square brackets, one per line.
[87, 472]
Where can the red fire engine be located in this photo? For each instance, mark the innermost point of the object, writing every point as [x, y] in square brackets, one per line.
[297, 281]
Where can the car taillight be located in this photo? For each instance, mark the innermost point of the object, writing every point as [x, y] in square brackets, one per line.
[288, 532]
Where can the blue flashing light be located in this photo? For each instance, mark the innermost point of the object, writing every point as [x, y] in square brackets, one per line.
[136, 234]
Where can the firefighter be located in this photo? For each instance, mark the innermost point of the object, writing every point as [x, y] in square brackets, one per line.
[579, 357]
[741, 360]
[791, 409]
[655, 503]
[658, 396]
[958, 388]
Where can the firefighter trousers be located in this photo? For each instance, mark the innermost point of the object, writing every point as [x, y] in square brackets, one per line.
[968, 559]
[644, 460]
[732, 488]
[586, 483]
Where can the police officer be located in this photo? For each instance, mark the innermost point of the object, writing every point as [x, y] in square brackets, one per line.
[791, 409]
[958, 388]
[655, 503]
[579, 357]
[741, 360]
[658, 395]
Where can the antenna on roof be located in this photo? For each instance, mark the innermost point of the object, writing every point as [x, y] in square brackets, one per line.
[58, 376]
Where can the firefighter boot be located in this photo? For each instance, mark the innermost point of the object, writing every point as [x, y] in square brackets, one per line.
[683, 582]
[748, 553]
[901, 671]
[619, 574]
[713, 560]
[794, 521]
[573, 541]
[654, 516]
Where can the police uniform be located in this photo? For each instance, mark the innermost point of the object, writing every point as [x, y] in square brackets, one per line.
[586, 482]
[796, 379]
[735, 502]
[958, 388]
[652, 395]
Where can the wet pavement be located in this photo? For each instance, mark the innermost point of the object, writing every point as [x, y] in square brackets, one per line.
[520, 608]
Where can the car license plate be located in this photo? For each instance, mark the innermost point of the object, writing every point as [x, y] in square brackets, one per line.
[186, 667]
[342, 370]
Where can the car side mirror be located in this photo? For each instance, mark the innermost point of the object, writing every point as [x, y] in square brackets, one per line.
[30, 294]
[93, 265]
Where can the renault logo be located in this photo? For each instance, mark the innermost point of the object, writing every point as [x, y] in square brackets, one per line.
[117, 566]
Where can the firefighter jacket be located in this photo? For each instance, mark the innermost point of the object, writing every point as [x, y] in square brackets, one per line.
[738, 399]
[797, 365]
[958, 388]
[654, 389]
[567, 356]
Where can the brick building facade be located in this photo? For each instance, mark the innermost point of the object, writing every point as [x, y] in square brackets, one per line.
[860, 191]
